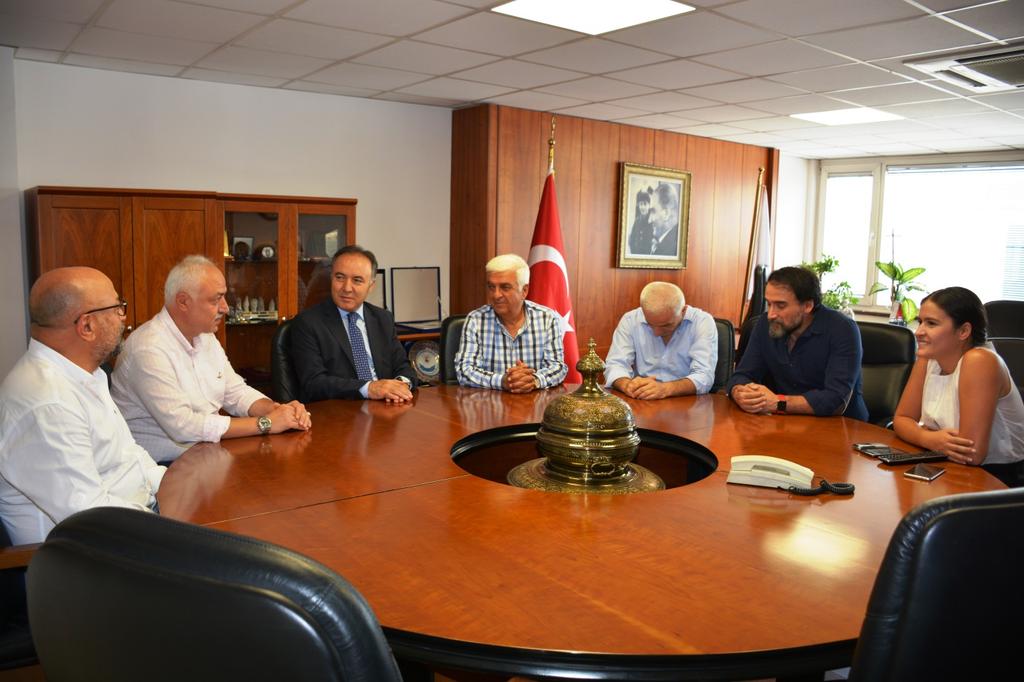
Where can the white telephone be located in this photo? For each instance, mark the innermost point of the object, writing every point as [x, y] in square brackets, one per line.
[769, 472]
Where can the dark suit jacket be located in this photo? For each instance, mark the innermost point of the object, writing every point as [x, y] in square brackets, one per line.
[669, 245]
[322, 356]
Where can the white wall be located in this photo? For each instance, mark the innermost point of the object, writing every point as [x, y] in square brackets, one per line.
[89, 127]
[13, 316]
[794, 216]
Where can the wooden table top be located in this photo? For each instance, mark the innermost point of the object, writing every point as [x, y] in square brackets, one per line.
[708, 579]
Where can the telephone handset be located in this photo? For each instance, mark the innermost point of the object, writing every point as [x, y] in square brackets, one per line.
[775, 472]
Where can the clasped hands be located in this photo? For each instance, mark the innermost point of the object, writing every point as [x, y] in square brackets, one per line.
[293, 415]
[520, 378]
[754, 398]
[643, 388]
[390, 390]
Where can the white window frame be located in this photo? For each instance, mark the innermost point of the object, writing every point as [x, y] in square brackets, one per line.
[877, 167]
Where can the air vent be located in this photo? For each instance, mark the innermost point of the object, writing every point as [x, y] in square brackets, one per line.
[989, 71]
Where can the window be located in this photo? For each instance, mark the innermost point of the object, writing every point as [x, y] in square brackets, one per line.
[963, 222]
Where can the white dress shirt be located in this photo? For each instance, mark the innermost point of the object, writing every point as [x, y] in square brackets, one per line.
[691, 353]
[171, 391]
[64, 447]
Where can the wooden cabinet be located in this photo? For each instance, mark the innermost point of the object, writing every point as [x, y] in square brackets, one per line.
[275, 251]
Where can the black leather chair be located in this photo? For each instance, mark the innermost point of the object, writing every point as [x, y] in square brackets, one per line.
[726, 354]
[1012, 352]
[451, 336]
[118, 594]
[283, 383]
[1005, 319]
[745, 329]
[16, 648]
[889, 353]
[947, 601]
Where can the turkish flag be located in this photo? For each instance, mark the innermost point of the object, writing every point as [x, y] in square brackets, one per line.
[549, 276]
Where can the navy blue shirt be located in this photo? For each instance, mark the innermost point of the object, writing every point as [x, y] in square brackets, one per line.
[824, 366]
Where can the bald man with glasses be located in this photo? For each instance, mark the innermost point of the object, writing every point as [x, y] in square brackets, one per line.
[64, 445]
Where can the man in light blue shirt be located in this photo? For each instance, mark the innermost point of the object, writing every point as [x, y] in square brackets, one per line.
[664, 348]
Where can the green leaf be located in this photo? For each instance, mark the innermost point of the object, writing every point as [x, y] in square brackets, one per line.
[914, 287]
[909, 310]
[888, 269]
[876, 287]
[911, 274]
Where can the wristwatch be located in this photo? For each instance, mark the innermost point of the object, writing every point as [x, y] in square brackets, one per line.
[780, 407]
[263, 424]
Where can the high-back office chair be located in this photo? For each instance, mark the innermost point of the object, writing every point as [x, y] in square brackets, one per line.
[745, 329]
[889, 353]
[16, 648]
[726, 354]
[1012, 353]
[118, 594]
[283, 383]
[947, 601]
[1005, 319]
[451, 337]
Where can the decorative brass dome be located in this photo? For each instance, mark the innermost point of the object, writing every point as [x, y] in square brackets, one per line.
[588, 439]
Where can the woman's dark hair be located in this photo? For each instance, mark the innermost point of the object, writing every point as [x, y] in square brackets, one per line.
[802, 282]
[962, 305]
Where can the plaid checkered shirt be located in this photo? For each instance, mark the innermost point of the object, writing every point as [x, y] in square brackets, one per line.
[487, 350]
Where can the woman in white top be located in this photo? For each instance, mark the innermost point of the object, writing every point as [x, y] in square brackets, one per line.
[960, 399]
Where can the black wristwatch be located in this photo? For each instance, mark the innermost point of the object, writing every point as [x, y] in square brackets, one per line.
[780, 406]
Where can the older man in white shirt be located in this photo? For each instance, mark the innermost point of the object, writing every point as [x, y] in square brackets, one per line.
[64, 446]
[664, 348]
[173, 378]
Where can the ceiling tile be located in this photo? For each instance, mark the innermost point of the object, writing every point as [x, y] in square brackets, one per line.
[1001, 19]
[1010, 101]
[262, 62]
[746, 90]
[979, 124]
[517, 74]
[19, 31]
[409, 98]
[597, 88]
[176, 20]
[763, 139]
[601, 112]
[771, 58]
[883, 127]
[118, 44]
[891, 94]
[660, 102]
[773, 123]
[969, 145]
[94, 62]
[802, 17]
[677, 74]
[659, 121]
[73, 11]
[497, 34]
[839, 78]
[324, 88]
[800, 104]
[690, 34]
[536, 101]
[299, 37]
[360, 76]
[594, 55]
[476, 4]
[899, 38]
[724, 114]
[709, 130]
[948, 107]
[237, 78]
[925, 134]
[253, 6]
[389, 17]
[424, 58]
[453, 88]
[896, 148]
[946, 5]
[37, 55]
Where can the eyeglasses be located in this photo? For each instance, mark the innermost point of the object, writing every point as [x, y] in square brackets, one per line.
[121, 305]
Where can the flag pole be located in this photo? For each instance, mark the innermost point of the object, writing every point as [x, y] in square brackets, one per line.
[551, 148]
[754, 229]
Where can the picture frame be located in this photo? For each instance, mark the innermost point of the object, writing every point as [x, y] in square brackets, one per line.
[242, 248]
[653, 233]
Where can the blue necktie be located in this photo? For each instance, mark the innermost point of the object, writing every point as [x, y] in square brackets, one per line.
[359, 356]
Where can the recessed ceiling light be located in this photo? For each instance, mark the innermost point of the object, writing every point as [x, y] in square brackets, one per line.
[841, 117]
[593, 16]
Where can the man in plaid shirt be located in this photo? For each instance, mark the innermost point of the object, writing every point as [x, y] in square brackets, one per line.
[511, 343]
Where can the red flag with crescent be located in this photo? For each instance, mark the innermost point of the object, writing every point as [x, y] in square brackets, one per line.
[549, 276]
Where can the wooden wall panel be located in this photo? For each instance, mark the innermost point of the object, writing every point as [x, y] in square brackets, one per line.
[589, 155]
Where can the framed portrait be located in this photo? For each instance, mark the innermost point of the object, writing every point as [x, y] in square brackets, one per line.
[654, 217]
[241, 248]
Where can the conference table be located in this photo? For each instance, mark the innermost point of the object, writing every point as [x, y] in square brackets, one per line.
[700, 581]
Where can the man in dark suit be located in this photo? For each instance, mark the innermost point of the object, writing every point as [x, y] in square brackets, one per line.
[346, 348]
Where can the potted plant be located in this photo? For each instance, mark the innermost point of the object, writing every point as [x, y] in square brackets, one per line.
[838, 297]
[903, 308]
